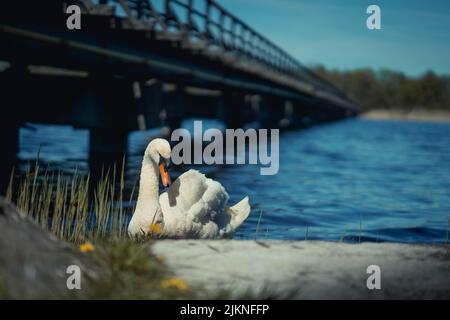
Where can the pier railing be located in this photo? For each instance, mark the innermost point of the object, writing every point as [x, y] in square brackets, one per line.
[204, 25]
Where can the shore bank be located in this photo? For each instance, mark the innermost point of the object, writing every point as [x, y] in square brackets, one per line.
[310, 269]
[33, 265]
[414, 115]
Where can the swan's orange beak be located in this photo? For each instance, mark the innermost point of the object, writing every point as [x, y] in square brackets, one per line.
[164, 172]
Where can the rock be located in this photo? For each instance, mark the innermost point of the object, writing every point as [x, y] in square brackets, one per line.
[310, 269]
[33, 263]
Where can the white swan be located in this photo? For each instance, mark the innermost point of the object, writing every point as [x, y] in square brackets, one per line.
[192, 207]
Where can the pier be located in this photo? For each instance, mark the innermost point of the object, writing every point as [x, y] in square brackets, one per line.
[139, 64]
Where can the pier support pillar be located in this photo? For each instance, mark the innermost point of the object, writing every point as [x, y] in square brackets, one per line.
[150, 103]
[114, 115]
[174, 105]
[10, 146]
[234, 109]
[272, 110]
[10, 120]
[302, 114]
[107, 147]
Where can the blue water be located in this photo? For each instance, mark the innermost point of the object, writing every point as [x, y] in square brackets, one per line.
[355, 180]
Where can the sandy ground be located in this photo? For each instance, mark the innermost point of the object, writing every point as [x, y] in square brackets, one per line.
[416, 115]
[310, 269]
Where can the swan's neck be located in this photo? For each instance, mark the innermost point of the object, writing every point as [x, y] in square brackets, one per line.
[149, 183]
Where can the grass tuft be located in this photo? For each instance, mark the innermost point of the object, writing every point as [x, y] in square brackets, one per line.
[69, 207]
[130, 271]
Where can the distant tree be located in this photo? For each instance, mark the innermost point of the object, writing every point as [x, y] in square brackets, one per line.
[387, 89]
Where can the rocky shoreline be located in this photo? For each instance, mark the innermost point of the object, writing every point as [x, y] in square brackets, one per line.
[33, 265]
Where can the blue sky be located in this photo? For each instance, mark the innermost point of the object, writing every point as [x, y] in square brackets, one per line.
[415, 35]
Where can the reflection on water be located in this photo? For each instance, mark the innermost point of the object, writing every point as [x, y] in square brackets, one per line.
[351, 180]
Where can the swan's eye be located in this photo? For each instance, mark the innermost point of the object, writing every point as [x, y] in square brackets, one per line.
[163, 161]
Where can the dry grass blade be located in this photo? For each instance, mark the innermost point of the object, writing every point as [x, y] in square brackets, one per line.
[62, 204]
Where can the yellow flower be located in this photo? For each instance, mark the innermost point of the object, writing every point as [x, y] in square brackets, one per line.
[176, 283]
[86, 247]
[155, 228]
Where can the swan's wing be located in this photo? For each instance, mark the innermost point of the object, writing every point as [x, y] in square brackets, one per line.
[231, 218]
[194, 195]
[239, 212]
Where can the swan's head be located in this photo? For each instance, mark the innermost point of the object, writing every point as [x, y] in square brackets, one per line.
[158, 151]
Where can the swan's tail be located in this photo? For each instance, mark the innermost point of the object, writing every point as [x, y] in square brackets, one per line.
[239, 212]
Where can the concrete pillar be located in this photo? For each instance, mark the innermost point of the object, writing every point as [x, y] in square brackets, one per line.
[150, 103]
[107, 148]
[10, 120]
[272, 110]
[302, 113]
[9, 130]
[234, 109]
[113, 114]
[174, 107]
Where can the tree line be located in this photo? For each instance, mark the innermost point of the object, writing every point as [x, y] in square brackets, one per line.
[387, 89]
